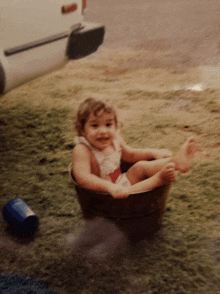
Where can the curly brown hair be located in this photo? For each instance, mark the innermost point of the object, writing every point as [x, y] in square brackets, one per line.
[91, 105]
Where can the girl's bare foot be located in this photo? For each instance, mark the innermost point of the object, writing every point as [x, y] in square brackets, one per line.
[185, 155]
[168, 174]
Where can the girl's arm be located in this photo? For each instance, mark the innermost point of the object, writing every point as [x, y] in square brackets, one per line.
[131, 154]
[82, 170]
[85, 178]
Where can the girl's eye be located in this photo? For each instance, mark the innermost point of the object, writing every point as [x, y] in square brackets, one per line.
[94, 126]
[109, 125]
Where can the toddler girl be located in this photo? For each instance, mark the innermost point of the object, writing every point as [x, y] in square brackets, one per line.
[99, 150]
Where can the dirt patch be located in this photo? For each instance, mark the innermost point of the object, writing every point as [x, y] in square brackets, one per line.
[162, 54]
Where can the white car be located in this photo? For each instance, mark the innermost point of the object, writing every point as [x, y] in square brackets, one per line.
[37, 36]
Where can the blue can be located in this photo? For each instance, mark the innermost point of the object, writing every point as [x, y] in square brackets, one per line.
[21, 217]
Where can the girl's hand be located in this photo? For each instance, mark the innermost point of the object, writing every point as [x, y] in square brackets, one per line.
[162, 153]
[118, 191]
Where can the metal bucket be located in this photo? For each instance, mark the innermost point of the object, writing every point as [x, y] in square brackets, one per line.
[20, 217]
[139, 216]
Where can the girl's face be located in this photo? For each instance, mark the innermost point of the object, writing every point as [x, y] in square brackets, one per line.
[100, 130]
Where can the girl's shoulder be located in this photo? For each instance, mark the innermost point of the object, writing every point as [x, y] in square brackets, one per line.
[82, 140]
[82, 154]
[81, 147]
[82, 143]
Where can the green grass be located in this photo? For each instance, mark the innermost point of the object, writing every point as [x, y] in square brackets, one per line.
[37, 131]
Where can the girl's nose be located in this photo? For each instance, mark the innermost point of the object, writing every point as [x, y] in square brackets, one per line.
[103, 130]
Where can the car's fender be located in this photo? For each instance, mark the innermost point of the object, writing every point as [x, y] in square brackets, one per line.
[39, 36]
[23, 66]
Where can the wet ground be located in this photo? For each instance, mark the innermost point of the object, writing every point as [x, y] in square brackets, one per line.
[169, 34]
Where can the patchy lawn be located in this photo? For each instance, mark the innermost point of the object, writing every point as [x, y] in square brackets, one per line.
[37, 131]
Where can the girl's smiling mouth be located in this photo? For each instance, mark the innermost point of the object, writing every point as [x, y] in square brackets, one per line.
[103, 139]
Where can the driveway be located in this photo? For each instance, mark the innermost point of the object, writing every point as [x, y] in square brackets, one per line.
[185, 32]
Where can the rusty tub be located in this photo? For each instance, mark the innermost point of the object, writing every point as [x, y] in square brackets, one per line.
[139, 216]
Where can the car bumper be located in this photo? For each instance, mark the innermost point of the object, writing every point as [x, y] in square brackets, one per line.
[85, 40]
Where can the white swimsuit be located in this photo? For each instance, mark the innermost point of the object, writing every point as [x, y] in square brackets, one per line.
[109, 165]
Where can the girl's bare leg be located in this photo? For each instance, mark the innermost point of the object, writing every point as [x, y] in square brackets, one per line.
[165, 176]
[185, 155]
[146, 169]
[168, 174]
